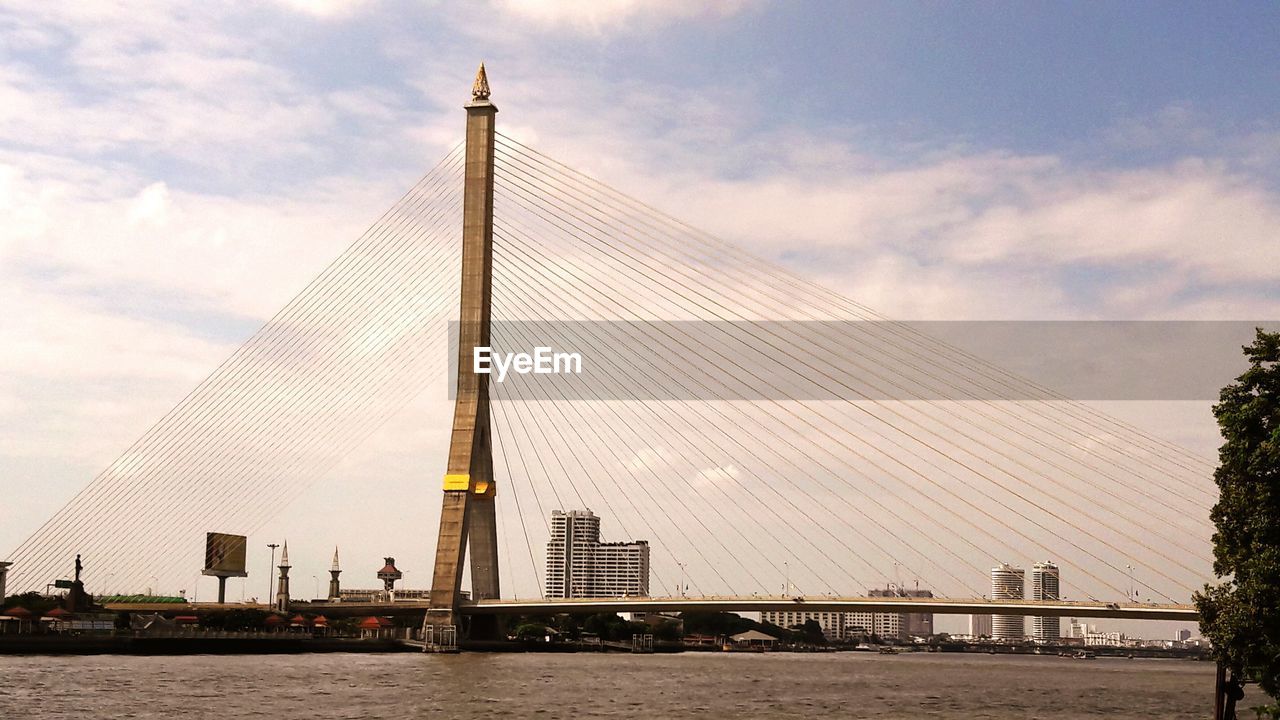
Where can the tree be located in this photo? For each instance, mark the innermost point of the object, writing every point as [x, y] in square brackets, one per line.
[667, 631]
[531, 631]
[1241, 614]
[812, 632]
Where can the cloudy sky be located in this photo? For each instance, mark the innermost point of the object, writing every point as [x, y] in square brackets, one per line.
[172, 173]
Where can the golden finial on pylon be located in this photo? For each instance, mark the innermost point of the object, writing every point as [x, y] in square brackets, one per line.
[480, 90]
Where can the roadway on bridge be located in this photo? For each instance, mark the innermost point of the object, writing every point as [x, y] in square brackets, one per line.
[941, 606]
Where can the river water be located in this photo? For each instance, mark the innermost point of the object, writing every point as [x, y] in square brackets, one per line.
[689, 685]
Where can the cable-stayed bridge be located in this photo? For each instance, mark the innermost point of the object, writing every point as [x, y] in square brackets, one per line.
[750, 425]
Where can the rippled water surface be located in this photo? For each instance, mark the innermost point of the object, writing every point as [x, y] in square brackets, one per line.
[692, 685]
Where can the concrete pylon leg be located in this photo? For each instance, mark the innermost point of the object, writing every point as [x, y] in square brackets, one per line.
[482, 529]
[467, 515]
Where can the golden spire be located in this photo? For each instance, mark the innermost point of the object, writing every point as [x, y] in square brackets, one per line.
[480, 90]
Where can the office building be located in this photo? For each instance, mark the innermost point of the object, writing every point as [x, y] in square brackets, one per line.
[832, 623]
[902, 625]
[1008, 583]
[859, 623]
[579, 565]
[979, 626]
[1045, 578]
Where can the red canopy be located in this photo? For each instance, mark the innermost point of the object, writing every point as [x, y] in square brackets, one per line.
[57, 613]
[18, 612]
[374, 623]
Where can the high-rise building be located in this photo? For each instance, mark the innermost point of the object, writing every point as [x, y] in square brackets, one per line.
[918, 624]
[900, 625]
[979, 626]
[832, 623]
[579, 565]
[1007, 583]
[859, 623]
[1045, 579]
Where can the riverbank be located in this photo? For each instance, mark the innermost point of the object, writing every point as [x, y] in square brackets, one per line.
[247, 644]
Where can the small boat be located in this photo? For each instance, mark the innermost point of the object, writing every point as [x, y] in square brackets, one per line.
[888, 650]
[1085, 655]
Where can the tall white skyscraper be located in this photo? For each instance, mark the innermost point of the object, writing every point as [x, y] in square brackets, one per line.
[1044, 586]
[579, 565]
[1007, 583]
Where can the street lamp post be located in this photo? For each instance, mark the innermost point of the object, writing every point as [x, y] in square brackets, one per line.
[681, 588]
[786, 589]
[273, 547]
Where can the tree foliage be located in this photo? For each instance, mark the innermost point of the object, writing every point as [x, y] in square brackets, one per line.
[1241, 614]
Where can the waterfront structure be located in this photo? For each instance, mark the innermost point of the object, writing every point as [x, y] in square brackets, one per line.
[282, 585]
[335, 590]
[579, 565]
[1045, 583]
[979, 626]
[1108, 639]
[389, 574]
[832, 623]
[1008, 583]
[4, 571]
[378, 595]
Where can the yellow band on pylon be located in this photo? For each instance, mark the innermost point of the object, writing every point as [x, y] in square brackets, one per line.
[457, 481]
[483, 487]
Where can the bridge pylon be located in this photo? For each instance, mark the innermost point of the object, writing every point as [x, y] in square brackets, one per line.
[467, 516]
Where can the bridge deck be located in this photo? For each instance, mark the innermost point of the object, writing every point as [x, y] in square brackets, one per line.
[942, 606]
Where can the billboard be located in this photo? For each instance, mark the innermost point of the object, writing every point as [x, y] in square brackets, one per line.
[224, 555]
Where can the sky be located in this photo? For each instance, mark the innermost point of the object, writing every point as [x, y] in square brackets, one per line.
[172, 173]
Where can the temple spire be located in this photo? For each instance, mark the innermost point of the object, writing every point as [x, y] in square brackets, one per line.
[480, 89]
[282, 586]
[335, 590]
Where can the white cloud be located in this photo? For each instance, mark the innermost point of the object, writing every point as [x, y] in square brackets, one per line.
[151, 206]
[327, 9]
[599, 16]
